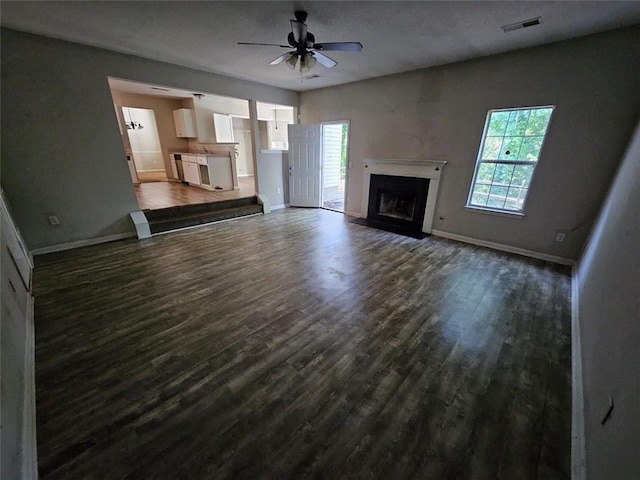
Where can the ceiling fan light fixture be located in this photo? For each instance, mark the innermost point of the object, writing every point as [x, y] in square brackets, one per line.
[303, 47]
[307, 63]
[291, 61]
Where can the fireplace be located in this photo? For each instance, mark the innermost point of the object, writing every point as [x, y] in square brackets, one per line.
[400, 195]
[398, 202]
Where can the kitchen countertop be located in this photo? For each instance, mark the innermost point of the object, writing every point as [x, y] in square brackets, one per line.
[207, 154]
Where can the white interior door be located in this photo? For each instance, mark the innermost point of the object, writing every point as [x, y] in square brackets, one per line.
[305, 145]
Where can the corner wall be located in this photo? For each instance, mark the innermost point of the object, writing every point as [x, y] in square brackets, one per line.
[61, 147]
[439, 114]
[609, 319]
[273, 176]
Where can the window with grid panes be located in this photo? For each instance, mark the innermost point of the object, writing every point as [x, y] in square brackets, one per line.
[508, 156]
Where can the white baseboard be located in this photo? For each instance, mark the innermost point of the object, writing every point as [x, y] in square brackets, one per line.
[264, 201]
[504, 248]
[82, 243]
[578, 451]
[280, 207]
[353, 214]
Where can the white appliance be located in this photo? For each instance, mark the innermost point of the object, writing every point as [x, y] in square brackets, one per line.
[177, 166]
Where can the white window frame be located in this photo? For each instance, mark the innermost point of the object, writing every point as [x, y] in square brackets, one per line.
[480, 161]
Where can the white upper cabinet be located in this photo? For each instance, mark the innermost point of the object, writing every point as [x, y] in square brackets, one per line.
[185, 123]
[223, 126]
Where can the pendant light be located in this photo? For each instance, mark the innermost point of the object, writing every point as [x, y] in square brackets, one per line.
[131, 124]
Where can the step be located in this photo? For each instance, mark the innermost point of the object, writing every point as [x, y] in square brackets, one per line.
[183, 210]
[201, 218]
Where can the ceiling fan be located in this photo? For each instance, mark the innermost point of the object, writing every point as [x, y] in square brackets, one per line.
[305, 48]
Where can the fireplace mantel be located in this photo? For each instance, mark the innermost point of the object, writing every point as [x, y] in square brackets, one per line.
[405, 168]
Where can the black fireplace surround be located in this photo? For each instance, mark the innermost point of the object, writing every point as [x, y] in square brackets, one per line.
[397, 204]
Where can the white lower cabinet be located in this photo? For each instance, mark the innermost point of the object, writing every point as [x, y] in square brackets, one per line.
[221, 172]
[191, 173]
[210, 171]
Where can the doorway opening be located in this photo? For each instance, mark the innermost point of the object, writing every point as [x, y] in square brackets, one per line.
[334, 165]
[190, 128]
[144, 141]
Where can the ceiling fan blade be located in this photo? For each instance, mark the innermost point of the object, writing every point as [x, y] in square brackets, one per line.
[299, 30]
[280, 59]
[266, 44]
[339, 46]
[324, 60]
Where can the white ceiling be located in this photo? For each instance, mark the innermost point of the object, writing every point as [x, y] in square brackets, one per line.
[153, 90]
[139, 88]
[397, 36]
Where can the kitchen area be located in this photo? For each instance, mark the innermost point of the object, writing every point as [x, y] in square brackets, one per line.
[203, 151]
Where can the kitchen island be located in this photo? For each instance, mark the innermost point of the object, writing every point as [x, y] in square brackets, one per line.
[212, 171]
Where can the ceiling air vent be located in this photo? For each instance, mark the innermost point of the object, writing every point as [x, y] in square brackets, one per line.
[161, 89]
[524, 24]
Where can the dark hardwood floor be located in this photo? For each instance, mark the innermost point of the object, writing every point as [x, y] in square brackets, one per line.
[297, 345]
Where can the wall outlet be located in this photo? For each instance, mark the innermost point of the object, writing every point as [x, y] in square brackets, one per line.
[560, 236]
[278, 190]
[54, 220]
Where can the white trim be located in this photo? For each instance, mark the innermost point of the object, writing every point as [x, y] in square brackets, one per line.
[15, 243]
[140, 221]
[497, 213]
[353, 214]
[29, 442]
[404, 168]
[504, 248]
[264, 201]
[479, 160]
[82, 243]
[578, 451]
[279, 207]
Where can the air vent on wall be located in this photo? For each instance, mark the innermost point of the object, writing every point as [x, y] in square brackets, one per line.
[524, 24]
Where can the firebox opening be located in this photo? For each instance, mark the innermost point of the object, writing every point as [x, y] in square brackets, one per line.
[397, 206]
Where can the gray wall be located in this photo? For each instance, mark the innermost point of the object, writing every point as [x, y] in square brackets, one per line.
[61, 148]
[439, 114]
[608, 312]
